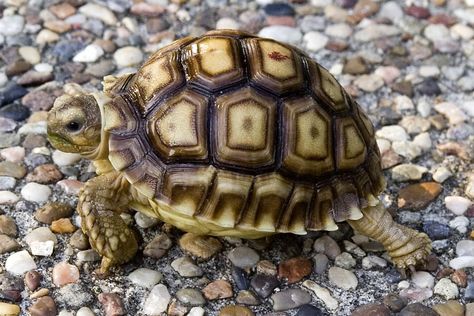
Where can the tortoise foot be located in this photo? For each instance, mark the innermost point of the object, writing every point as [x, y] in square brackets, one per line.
[414, 253]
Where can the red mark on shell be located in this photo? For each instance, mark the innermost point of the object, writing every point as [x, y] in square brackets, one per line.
[277, 56]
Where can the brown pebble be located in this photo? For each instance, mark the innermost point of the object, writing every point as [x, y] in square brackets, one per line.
[52, 211]
[459, 277]
[418, 12]
[8, 226]
[371, 310]
[112, 304]
[176, 308]
[8, 244]
[395, 302]
[336, 45]
[38, 100]
[32, 279]
[146, 9]
[203, 247]
[267, 267]
[235, 310]
[17, 67]
[442, 18]
[444, 272]
[79, 240]
[63, 226]
[217, 290]
[34, 78]
[247, 298]
[45, 174]
[295, 269]
[419, 195]
[450, 308]
[158, 247]
[62, 10]
[44, 306]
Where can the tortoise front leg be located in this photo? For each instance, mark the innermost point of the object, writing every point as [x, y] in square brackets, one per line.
[407, 247]
[100, 202]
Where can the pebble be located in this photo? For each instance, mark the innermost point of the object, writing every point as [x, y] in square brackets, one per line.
[369, 83]
[289, 299]
[375, 31]
[157, 300]
[417, 309]
[436, 230]
[186, 267]
[112, 304]
[44, 306]
[295, 269]
[65, 273]
[371, 309]
[327, 246]
[394, 302]
[128, 56]
[342, 278]
[282, 33]
[371, 262]
[452, 112]
[338, 30]
[99, 12]
[322, 293]
[32, 280]
[8, 226]
[217, 290]
[416, 294]
[419, 195]
[247, 298]
[8, 244]
[7, 125]
[392, 133]
[30, 54]
[227, 23]
[243, 257]
[89, 255]
[235, 310]
[7, 183]
[145, 221]
[320, 263]
[189, 296]
[462, 262]
[457, 204]
[65, 159]
[459, 223]
[465, 248]
[40, 234]
[35, 192]
[196, 311]
[315, 41]
[19, 263]
[12, 169]
[70, 186]
[144, 277]
[450, 308]
[423, 279]
[84, 311]
[91, 53]
[11, 25]
[7, 197]
[264, 284]
[16, 112]
[406, 172]
[203, 247]
[240, 278]
[446, 288]
[9, 309]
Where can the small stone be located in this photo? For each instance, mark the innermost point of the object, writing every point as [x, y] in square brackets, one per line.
[65, 159]
[157, 301]
[128, 56]
[345, 260]
[295, 269]
[186, 267]
[419, 195]
[65, 273]
[218, 289]
[423, 279]
[371, 309]
[8, 244]
[63, 226]
[190, 296]
[12, 169]
[9, 309]
[145, 221]
[264, 284]
[405, 172]
[465, 248]
[459, 223]
[158, 247]
[89, 54]
[40, 234]
[235, 310]
[320, 263]
[11, 25]
[417, 309]
[436, 230]
[98, 12]
[144, 277]
[19, 263]
[394, 302]
[267, 267]
[7, 197]
[240, 278]
[247, 298]
[369, 83]
[147, 9]
[375, 31]
[52, 211]
[462, 262]
[45, 174]
[289, 299]
[7, 183]
[44, 306]
[328, 246]
[418, 12]
[454, 114]
[8, 226]
[342, 278]
[459, 277]
[392, 133]
[203, 247]
[387, 73]
[196, 311]
[372, 261]
[112, 304]
[338, 30]
[450, 308]
[457, 204]
[243, 257]
[322, 293]
[315, 41]
[282, 33]
[70, 186]
[32, 280]
[446, 288]
[84, 311]
[35, 192]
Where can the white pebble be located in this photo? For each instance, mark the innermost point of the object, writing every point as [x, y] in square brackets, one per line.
[384, 145]
[35, 192]
[157, 301]
[392, 133]
[128, 56]
[145, 277]
[282, 33]
[89, 54]
[402, 103]
[145, 221]
[98, 12]
[423, 141]
[405, 172]
[315, 41]
[61, 158]
[369, 83]
[406, 149]
[429, 71]
[322, 293]
[85, 311]
[459, 223]
[43, 67]
[403, 285]
[3, 79]
[7, 197]
[227, 23]
[33, 128]
[42, 248]
[30, 54]
[196, 311]
[40, 234]
[423, 279]
[462, 262]
[441, 174]
[457, 204]
[454, 114]
[339, 30]
[446, 288]
[13, 154]
[20, 262]
[465, 248]
[342, 278]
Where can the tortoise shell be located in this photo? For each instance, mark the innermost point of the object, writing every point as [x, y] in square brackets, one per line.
[242, 133]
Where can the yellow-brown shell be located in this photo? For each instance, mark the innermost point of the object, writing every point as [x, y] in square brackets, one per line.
[243, 133]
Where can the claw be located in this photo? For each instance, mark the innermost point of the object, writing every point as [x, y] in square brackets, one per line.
[412, 269]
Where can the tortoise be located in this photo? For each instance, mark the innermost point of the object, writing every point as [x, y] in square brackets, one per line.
[228, 134]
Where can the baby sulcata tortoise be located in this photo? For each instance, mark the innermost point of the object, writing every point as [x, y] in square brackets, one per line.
[228, 134]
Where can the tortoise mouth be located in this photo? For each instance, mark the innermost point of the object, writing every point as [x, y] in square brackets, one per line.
[63, 144]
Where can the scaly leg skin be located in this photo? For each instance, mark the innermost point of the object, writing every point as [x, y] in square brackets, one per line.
[100, 202]
[407, 247]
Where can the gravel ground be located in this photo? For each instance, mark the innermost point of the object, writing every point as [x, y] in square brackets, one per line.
[410, 64]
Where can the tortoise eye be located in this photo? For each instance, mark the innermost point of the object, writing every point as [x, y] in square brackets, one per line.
[73, 126]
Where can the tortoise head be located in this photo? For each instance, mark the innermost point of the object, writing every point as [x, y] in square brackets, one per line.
[74, 124]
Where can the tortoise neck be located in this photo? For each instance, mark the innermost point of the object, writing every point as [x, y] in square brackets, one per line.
[102, 150]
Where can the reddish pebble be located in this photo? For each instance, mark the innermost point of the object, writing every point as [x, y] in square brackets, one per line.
[418, 12]
[146, 9]
[217, 290]
[65, 273]
[32, 280]
[112, 304]
[62, 10]
[459, 277]
[419, 195]
[295, 269]
[281, 20]
[71, 186]
[442, 19]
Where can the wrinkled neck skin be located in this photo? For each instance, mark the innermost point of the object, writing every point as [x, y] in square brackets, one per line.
[102, 151]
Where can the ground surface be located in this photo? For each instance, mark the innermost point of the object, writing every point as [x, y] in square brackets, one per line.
[410, 64]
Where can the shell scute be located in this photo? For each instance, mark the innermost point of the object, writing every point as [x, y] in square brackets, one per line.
[351, 149]
[124, 152]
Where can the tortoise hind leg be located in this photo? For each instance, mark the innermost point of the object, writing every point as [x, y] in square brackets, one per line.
[407, 247]
[100, 202]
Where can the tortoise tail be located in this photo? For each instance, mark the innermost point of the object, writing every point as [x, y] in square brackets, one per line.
[407, 247]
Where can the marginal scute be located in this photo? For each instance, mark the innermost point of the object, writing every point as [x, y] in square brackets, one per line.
[123, 152]
[326, 87]
[146, 176]
[213, 62]
[245, 128]
[159, 75]
[274, 66]
[229, 32]
[367, 127]
[269, 196]
[307, 147]
[294, 216]
[178, 128]
[186, 188]
[321, 213]
[352, 150]
[118, 116]
[227, 199]
[346, 201]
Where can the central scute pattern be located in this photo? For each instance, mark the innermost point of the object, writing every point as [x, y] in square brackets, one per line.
[244, 133]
